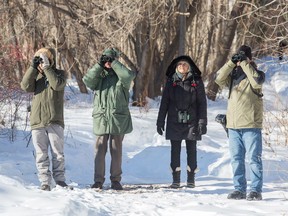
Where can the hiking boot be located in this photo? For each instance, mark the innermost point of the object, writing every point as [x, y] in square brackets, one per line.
[61, 183]
[190, 185]
[97, 185]
[175, 185]
[115, 185]
[253, 195]
[45, 187]
[237, 195]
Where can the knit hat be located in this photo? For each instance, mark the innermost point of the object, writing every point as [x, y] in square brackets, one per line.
[111, 52]
[246, 50]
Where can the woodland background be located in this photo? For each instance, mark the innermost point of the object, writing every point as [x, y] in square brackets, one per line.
[149, 35]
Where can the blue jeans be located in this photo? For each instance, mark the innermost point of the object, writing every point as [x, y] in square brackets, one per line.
[242, 141]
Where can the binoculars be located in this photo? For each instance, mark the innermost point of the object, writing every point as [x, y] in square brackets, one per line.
[105, 58]
[239, 56]
[183, 117]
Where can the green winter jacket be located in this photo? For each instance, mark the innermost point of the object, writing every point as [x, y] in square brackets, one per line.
[245, 107]
[47, 102]
[111, 114]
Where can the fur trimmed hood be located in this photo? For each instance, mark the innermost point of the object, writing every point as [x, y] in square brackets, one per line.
[50, 53]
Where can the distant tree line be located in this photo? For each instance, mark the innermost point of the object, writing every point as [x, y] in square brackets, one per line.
[147, 33]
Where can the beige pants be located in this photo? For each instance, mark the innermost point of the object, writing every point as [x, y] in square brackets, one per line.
[115, 146]
[51, 136]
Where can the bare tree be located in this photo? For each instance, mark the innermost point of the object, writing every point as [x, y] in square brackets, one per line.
[146, 33]
[223, 47]
[260, 24]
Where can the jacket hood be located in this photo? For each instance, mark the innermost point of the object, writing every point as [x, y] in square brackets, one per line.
[50, 53]
[172, 67]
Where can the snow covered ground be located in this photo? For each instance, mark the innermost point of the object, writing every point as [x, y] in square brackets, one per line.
[146, 158]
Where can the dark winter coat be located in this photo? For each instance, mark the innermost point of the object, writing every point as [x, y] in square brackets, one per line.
[180, 96]
[48, 98]
[111, 114]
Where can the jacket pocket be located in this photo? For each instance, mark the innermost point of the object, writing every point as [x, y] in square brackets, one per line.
[35, 118]
[121, 124]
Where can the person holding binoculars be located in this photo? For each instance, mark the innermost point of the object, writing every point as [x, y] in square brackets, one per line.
[46, 119]
[110, 80]
[244, 121]
[184, 103]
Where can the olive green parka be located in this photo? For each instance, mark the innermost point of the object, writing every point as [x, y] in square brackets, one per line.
[111, 113]
[245, 105]
[48, 99]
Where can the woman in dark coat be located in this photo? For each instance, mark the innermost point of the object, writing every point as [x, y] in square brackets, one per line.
[184, 103]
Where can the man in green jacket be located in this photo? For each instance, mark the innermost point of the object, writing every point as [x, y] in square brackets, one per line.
[46, 120]
[244, 121]
[110, 80]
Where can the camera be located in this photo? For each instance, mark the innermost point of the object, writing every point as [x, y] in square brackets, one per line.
[183, 117]
[221, 118]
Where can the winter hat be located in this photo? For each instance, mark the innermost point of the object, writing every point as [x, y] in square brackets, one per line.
[111, 52]
[246, 50]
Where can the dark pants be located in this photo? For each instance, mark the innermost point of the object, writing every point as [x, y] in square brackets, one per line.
[115, 146]
[176, 153]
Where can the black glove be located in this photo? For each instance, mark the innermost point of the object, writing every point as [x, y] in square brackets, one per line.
[202, 129]
[36, 62]
[160, 130]
[195, 130]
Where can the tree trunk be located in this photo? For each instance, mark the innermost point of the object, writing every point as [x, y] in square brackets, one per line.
[72, 64]
[224, 46]
[211, 27]
[171, 51]
[142, 79]
[182, 28]
[16, 47]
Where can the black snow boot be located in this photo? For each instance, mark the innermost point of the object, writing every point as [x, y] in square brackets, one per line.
[190, 179]
[61, 183]
[115, 185]
[236, 195]
[176, 179]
